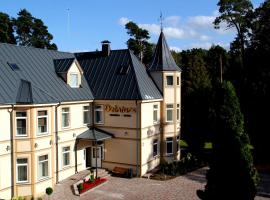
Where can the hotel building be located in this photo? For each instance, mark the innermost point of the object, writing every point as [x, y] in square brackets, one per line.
[61, 113]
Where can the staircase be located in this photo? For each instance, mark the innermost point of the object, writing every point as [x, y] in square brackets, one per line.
[102, 173]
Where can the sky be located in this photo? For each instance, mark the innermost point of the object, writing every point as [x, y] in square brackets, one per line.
[80, 25]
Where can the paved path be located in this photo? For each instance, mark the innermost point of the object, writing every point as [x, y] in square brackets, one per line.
[179, 188]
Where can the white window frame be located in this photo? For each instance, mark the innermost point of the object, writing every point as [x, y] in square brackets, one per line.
[20, 135]
[65, 112]
[102, 114]
[17, 171]
[167, 109]
[178, 112]
[167, 80]
[43, 161]
[167, 142]
[77, 84]
[69, 155]
[88, 111]
[47, 121]
[155, 143]
[155, 110]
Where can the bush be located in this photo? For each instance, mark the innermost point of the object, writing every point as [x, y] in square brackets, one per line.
[80, 187]
[18, 198]
[49, 190]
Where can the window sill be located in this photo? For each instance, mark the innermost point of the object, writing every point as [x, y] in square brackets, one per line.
[45, 178]
[42, 135]
[23, 182]
[66, 128]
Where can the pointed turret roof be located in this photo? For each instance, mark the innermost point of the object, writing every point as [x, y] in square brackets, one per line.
[162, 59]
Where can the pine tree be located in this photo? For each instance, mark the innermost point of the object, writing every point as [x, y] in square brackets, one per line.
[232, 174]
[6, 29]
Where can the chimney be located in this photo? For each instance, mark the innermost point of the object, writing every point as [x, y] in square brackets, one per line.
[106, 47]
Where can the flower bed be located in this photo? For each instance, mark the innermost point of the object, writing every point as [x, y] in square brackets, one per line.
[89, 185]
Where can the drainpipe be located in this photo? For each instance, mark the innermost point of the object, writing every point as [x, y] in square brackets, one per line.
[12, 150]
[56, 142]
[137, 137]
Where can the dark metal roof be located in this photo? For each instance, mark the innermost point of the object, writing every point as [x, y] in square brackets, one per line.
[94, 134]
[162, 59]
[37, 68]
[63, 65]
[118, 76]
[24, 94]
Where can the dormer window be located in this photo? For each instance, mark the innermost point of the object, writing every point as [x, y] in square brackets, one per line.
[74, 80]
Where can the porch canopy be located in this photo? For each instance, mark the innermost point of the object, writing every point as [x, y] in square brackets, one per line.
[94, 134]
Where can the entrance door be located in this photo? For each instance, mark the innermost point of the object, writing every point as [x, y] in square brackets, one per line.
[88, 157]
[96, 151]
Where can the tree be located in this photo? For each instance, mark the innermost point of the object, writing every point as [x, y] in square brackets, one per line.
[196, 96]
[32, 31]
[236, 14]
[6, 29]
[138, 42]
[232, 174]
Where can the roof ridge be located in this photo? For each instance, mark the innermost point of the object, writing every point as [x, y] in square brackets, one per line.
[130, 53]
[36, 48]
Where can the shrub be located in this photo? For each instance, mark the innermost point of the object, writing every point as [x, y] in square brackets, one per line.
[80, 187]
[49, 190]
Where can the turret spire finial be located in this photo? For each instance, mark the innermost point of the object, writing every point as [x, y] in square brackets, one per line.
[161, 19]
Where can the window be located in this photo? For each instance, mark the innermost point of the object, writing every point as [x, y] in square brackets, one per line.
[43, 166]
[169, 145]
[155, 113]
[22, 165]
[99, 114]
[155, 147]
[74, 80]
[86, 114]
[169, 110]
[177, 143]
[42, 122]
[21, 118]
[178, 112]
[66, 156]
[169, 80]
[178, 80]
[65, 117]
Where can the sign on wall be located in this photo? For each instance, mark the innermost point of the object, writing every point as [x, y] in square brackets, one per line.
[121, 109]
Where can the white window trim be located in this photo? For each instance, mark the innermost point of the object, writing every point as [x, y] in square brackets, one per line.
[47, 120]
[155, 109]
[155, 143]
[169, 154]
[65, 152]
[17, 175]
[43, 177]
[167, 112]
[24, 135]
[73, 73]
[65, 127]
[167, 81]
[102, 115]
[178, 77]
[178, 113]
[89, 113]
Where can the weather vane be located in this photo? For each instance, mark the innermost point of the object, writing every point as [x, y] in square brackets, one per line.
[161, 18]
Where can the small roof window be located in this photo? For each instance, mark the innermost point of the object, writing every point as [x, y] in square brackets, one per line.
[14, 66]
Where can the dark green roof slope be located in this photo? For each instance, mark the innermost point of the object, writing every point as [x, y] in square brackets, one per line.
[35, 80]
[119, 76]
[162, 59]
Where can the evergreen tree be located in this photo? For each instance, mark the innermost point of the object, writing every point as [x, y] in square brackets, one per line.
[31, 31]
[232, 174]
[6, 29]
[138, 42]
